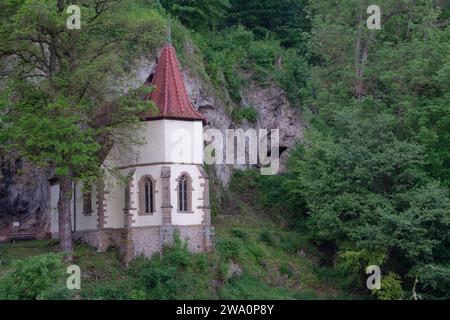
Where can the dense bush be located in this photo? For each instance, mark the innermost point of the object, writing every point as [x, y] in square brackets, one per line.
[233, 57]
[177, 274]
[38, 277]
[229, 248]
[366, 191]
[370, 180]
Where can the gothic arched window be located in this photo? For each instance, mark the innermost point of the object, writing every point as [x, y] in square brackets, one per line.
[87, 203]
[184, 193]
[146, 196]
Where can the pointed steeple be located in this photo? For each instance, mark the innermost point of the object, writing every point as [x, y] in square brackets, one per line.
[170, 95]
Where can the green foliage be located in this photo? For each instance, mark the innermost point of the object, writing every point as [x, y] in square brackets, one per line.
[54, 113]
[433, 281]
[247, 287]
[369, 185]
[268, 271]
[229, 248]
[269, 191]
[391, 288]
[357, 261]
[266, 237]
[233, 57]
[430, 126]
[248, 113]
[287, 19]
[238, 233]
[58, 138]
[365, 189]
[287, 243]
[293, 75]
[177, 274]
[177, 255]
[371, 180]
[112, 290]
[197, 14]
[37, 277]
[286, 270]
[64, 102]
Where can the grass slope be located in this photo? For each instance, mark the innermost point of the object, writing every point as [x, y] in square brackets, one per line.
[268, 260]
[256, 257]
[271, 263]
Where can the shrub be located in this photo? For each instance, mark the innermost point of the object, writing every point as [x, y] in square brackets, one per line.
[34, 277]
[178, 255]
[201, 262]
[433, 281]
[288, 243]
[176, 275]
[110, 290]
[286, 270]
[238, 233]
[266, 237]
[248, 113]
[256, 250]
[228, 248]
[58, 292]
[137, 295]
[391, 288]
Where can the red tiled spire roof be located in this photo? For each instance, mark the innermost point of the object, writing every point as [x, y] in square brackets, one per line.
[170, 95]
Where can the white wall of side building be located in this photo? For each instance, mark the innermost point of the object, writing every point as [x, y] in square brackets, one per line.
[80, 222]
[114, 202]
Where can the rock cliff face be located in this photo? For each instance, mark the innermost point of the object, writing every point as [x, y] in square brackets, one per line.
[24, 192]
[24, 197]
[272, 106]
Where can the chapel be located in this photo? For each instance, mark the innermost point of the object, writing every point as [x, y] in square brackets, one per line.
[163, 188]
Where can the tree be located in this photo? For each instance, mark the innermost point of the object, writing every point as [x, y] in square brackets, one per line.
[63, 103]
[373, 173]
[198, 14]
[287, 19]
[367, 195]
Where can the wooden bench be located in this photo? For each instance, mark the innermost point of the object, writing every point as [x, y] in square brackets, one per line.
[13, 237]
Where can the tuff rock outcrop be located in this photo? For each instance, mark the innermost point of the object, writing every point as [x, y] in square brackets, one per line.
[24, 194]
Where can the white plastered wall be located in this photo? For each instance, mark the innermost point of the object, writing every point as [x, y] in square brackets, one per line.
[165, 141]
[85, 222]
[183, 141]
[81, 222]
[115, 202]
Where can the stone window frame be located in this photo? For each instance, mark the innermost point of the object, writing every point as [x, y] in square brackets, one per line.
[87, 203]
[141, 195]
[190, 192]
[127, 197]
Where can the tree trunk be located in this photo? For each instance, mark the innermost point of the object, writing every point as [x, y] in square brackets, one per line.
[358, 83]
[64, 216]
[361, 55]
[60, 5]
